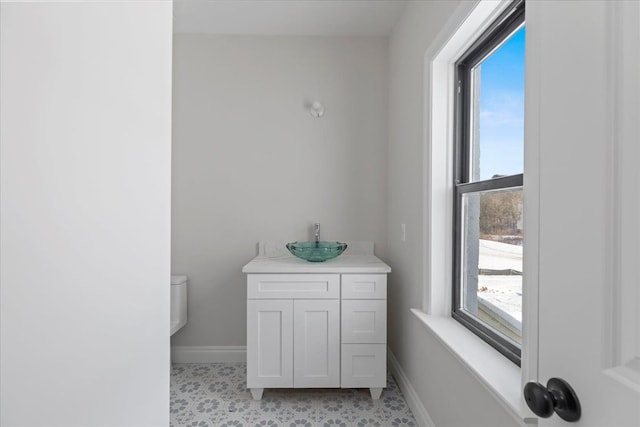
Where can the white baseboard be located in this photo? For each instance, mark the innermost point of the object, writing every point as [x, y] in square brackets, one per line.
[208, 354]
[410, 394]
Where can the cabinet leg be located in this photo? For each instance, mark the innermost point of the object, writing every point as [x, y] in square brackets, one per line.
[257, 393]
[375, 392]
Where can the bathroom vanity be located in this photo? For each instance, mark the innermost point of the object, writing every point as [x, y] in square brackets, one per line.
[312, 325]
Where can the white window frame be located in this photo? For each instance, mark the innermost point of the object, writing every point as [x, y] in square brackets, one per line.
[501, 378]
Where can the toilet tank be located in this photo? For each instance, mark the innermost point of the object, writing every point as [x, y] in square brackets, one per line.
[178, 303]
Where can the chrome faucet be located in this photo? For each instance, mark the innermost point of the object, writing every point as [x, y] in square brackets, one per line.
[317, 226]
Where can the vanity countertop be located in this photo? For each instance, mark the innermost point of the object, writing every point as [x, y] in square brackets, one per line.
[358, 258]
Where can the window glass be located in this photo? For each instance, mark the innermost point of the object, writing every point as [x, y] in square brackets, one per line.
[498, 124]
[492, 260]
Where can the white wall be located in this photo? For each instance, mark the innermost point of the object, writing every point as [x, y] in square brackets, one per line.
[443, 385]
[85, 242]
[250, 163]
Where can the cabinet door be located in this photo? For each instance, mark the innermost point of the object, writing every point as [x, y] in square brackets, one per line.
[316, 343]
[269, 343]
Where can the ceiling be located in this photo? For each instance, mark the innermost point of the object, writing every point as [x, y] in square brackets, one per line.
[287, 17]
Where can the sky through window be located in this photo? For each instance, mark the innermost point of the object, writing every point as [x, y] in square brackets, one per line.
[502, 109]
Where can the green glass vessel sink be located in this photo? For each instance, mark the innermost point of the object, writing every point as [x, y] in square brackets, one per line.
[316, 251]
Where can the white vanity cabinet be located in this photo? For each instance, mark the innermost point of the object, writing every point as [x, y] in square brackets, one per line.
[293, 331]
[316, 325]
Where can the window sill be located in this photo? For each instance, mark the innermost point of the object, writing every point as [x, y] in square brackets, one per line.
[495, 372]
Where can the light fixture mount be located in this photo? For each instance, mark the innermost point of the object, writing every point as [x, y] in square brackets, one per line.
[316, 109]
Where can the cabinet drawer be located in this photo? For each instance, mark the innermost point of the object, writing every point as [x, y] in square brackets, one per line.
[364, 321]
[363, 365]
[296, 286]
[364, 286]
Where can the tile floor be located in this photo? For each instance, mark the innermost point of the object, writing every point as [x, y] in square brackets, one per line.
[204, 395]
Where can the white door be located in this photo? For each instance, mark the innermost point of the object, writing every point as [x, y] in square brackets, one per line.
[316, 336]
[583, 119]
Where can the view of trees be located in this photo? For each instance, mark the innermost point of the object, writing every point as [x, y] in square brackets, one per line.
[500, 215]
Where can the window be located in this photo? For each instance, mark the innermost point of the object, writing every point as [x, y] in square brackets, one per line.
[488, 184]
